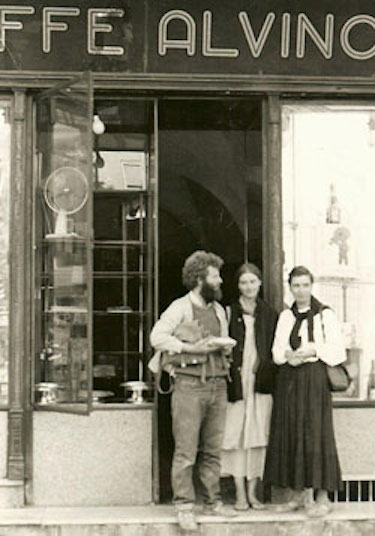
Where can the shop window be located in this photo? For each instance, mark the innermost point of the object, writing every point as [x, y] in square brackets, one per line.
[93, 249]
[124, 177]
[5, 154]
[63, 233]
[328, 167]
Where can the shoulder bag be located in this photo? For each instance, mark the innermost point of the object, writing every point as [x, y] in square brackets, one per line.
[338, 375]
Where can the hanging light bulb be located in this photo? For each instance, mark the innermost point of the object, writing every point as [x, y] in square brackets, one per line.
[98, 127]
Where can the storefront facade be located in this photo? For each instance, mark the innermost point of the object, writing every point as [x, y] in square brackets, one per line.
[133, 133]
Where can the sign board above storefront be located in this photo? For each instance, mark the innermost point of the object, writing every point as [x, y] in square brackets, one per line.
[267, 37]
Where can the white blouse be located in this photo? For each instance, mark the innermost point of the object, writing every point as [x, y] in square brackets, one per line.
[329, 347]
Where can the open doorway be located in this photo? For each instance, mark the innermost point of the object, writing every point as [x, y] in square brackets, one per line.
[210, 197]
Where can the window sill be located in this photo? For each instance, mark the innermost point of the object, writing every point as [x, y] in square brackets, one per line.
[97, 406]
[353, 404]
[124, 406]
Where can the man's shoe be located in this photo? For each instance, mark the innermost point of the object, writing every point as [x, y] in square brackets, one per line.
[186, 520]
[218, 510]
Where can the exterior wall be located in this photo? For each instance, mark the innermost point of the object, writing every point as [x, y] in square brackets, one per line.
[3, 442]
[355, 438]
[99, 460]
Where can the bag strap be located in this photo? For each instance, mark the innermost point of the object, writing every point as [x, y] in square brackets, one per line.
[158, 380]
[322, 324]
[228, 312]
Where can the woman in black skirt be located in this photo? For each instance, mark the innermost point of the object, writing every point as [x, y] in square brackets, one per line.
[301, 453]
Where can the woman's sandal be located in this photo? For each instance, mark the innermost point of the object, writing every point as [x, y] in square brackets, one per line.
[318, 509]
[241, 507]
[289, 506]
[256, 505]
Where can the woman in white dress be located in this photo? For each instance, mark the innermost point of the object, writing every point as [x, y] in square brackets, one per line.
[252, 323]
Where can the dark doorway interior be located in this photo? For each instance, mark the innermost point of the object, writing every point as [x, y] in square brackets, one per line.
[210, 198]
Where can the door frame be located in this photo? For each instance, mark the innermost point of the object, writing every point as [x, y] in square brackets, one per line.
[20, 414]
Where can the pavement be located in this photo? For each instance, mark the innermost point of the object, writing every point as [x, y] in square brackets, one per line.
[163, 514]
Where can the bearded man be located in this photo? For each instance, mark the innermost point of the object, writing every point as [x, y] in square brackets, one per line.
[198, 400]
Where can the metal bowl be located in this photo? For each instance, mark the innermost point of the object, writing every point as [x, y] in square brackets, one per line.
[136, 389]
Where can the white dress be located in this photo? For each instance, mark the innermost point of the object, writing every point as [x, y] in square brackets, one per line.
[248, 420]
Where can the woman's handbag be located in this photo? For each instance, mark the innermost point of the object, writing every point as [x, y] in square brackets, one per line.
[338, 375]
[338, 378]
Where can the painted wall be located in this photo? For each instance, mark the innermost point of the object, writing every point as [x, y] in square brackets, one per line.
[3, 442]
[105, 459]
[99, 460]
[355, 438]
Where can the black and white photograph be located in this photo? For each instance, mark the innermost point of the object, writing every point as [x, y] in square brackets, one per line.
[187, 267]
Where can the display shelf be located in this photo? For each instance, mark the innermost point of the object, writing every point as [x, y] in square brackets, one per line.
[122, 275]
[65, 310]
[79, 240]
[129, 313]
[120, 193]
[115, 275]
[116, 353]
[110, 274]
[102, 243]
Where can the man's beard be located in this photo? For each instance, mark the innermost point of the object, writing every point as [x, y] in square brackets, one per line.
[210, 294]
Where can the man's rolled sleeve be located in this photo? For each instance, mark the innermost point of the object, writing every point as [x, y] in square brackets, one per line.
[161, 336]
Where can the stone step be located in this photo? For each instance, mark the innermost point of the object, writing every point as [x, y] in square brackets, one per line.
[346, 519]
[11, 493]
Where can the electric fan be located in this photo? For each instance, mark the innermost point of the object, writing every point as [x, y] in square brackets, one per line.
[65, 193]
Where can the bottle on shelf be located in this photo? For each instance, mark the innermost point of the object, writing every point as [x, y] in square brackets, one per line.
[371, 382]
[333, 211]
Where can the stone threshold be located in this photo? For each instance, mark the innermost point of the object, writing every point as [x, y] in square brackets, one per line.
[165, 514]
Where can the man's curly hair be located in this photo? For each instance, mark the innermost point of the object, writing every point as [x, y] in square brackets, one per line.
[195, 267]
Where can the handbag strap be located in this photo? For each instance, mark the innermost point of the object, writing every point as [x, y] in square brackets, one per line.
[322, 324]
[158, 381]
[228, 311]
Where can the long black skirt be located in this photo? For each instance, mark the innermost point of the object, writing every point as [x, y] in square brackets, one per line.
[302, 451]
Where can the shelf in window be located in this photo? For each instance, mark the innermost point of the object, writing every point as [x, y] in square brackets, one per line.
[118, 353]
[120, 312]
[59, 309]
[72, 269]
[53, 239]
[118, 275]
[76, 243]
[126, 193]
[118, 243]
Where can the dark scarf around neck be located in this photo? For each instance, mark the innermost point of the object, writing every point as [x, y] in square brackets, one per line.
[315, 308]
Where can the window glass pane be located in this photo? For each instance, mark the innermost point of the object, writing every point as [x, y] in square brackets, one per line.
[63, 365]
[124, 165]
[328, 166]
[5, 141]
